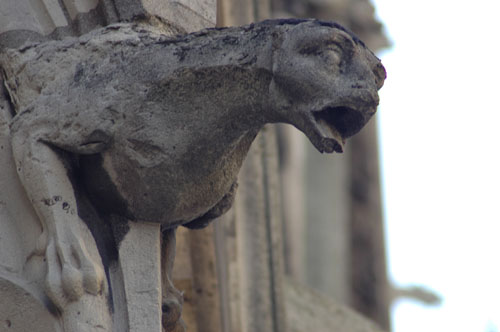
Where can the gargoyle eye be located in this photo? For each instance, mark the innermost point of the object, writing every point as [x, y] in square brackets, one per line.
[333, 53]
[334, 47]
[321, 48]
[344, 45]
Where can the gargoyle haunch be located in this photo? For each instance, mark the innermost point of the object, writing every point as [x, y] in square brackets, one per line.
[155, 128]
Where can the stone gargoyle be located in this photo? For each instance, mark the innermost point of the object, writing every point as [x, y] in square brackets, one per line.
[154, 128]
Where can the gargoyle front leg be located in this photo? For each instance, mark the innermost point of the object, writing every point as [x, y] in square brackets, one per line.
[73, 262]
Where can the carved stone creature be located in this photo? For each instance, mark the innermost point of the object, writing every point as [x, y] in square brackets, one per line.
[155, 128]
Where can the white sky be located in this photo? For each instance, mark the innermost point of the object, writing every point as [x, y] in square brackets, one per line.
[440, 132]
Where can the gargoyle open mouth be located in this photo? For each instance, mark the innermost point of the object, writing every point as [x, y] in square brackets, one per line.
[336, 123]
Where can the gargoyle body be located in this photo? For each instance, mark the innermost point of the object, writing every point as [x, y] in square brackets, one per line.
[155, 128]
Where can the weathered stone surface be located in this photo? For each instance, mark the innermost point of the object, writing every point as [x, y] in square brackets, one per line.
[22, 309]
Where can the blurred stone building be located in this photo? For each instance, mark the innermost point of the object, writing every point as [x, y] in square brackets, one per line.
[332, 205]
[303, 219]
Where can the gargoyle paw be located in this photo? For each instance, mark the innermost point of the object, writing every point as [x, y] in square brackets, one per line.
[171, 317]
[71, 272]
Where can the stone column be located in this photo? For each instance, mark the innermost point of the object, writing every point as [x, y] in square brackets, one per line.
[369, 284]
[250, 253]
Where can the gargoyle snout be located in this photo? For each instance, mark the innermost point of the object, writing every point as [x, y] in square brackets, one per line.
[371, 80]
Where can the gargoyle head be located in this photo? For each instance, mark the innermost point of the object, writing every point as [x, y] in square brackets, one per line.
[325, 80]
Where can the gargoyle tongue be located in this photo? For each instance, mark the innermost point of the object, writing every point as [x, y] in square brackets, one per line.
[332, 140]
[333, 124]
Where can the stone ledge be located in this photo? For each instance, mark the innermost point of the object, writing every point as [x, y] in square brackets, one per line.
[308, 310]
